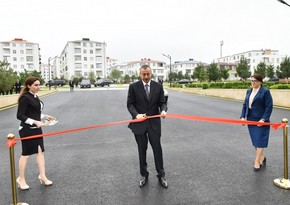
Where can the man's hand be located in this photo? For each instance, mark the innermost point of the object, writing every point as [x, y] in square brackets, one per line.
[262, 122]
[139, 116]
[243, 119]
[163, 114]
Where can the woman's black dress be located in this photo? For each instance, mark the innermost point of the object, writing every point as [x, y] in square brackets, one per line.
[30, 106]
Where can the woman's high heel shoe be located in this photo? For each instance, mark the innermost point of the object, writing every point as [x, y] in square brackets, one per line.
[264, 162]
[257, 169]
[46, 183]
[25, 187]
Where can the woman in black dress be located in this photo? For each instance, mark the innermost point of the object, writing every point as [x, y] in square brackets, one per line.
[29, 113]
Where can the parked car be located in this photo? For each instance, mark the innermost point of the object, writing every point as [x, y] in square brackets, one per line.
[55, 82]
[86, 83]
[184, 81]
[273, 80]
[103, 82]
[165, 94]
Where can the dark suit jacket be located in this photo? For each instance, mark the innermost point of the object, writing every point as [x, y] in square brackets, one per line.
[262, 105]
[29, 107]
[137, 103]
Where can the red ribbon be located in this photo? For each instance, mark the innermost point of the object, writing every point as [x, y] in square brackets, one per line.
[275, 126]
[11, 142]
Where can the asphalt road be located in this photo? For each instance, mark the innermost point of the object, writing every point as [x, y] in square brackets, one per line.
[205, 163]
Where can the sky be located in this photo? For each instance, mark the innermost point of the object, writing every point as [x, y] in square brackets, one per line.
[136, 29]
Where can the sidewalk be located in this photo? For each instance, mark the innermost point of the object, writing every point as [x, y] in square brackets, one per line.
[281, 98]
[7, 101]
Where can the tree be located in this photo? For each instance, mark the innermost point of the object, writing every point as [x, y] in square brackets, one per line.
[127, 78]
[116, 74]
[26, 74]
[270, 71]
[213, 72]
[92, 77]
[285, 68]
[180, 75]
[243, 69]
[224, 72]
[261, 69]
[199, 73]
[8, 77]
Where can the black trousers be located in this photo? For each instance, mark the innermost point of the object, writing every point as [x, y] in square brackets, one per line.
[142, 142]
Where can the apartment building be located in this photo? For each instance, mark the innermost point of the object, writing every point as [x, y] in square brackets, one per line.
[186, 67]
[81, 57]
[110, 65]
[133, 68]
[254, 57]
[21, 54]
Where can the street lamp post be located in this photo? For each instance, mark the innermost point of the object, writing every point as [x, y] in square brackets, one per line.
[49, 71]
[283, 2]
[169, 57]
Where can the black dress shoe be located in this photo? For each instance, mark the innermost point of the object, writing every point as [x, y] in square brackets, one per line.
[264, 162]
[143, 181]
[163, 182]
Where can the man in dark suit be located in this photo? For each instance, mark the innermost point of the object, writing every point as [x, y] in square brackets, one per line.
[146, 98]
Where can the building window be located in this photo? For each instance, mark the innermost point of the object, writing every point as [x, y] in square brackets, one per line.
[78, 58]
[99, 58]
[29, 51]
[91, 58]
[78, 50]
[13, 45]
[85, 51]
[85, 58]
[22, 66]
[21, 51]
[28, 44]
[91, 44]
[78, 73]
[98, 65]
[15, 66]
[78, 65]
[14, 51]
[14, 59]
[98, 51]
[84, 44]
[91, 51]
[92, 65]
[29, 58]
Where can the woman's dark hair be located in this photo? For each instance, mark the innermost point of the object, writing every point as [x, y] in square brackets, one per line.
[258, 77]
[29, 81]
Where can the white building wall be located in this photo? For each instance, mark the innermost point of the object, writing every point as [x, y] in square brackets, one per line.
[21, 54]
[83, 56]
[186, 66]
[254, 57]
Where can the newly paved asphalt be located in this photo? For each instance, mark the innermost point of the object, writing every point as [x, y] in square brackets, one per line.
[205, 163]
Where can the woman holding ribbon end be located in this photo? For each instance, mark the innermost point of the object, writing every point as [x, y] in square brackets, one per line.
[29, 113]
[258, 106]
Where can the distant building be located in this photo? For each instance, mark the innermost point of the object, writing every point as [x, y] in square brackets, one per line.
[110, 65]
[254, 57]
[21, 54]
[157, 67]
[81, 57]
[186, 67]
[52, 70]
